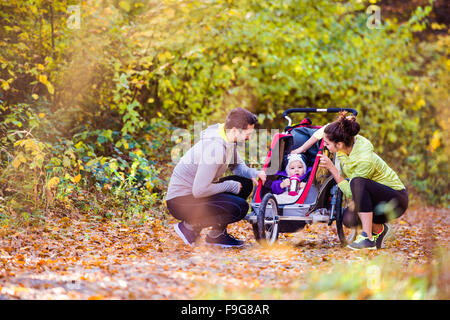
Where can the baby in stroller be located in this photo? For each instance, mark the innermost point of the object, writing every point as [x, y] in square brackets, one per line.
[295, 166]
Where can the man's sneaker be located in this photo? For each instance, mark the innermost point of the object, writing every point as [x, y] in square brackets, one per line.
[379, 238]
[224, 240]
[362, 242]
[188, 236]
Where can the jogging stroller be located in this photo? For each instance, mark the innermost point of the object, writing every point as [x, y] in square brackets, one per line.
[320, 200]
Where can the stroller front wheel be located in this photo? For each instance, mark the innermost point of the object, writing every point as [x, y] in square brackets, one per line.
[268, 220]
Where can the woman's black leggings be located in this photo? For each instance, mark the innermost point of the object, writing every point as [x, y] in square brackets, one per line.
[370, 196]
[217, 210]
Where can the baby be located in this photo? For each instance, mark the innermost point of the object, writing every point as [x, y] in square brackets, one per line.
[295, 165]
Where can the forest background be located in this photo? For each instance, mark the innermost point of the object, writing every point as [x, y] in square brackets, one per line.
[91, 92]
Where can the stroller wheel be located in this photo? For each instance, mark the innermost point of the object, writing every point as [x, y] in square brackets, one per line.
[255, 231]
[346, 235]
[268, 220]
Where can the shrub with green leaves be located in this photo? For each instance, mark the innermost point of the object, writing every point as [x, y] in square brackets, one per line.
[104, 97]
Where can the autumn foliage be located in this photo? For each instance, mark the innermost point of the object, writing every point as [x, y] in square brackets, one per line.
[91, 91]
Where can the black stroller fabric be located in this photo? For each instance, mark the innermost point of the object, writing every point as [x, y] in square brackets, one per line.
[300, 136]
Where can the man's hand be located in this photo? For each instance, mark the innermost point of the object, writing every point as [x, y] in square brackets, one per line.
[261, 175]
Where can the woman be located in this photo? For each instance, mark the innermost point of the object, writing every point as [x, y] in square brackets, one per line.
[378, 194]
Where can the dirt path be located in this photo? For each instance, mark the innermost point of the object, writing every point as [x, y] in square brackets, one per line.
[88, 259]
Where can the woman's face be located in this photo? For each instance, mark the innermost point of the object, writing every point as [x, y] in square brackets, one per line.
[296, 167]
[333, 147]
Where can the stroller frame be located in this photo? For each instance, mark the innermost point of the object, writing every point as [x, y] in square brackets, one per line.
[318, 202]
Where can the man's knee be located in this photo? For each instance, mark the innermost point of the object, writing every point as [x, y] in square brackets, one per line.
[242, 211]
[247, 187]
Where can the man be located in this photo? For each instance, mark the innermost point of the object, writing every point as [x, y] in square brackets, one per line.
[198, 195]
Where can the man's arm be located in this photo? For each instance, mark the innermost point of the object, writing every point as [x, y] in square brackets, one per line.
[203, 185]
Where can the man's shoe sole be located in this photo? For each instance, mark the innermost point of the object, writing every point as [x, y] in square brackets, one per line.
[225, 245]
[178, 231]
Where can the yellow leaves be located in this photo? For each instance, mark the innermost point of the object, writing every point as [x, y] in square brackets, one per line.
[74, 179]
[53, 182]
[435, 141]
[34, 153]
[33, 9]
[139, 152]
[77, 178]
[50, 88]
[447, 64]
[18, 160]
[165, 56]
[125, 5]
[437, 26]
[170, 13]
[420, 103]
[113, 165]
[43, 79]
[35, 96]
[5, 85]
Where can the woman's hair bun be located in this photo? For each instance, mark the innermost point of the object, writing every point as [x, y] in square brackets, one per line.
[343, 129]
[348, 123]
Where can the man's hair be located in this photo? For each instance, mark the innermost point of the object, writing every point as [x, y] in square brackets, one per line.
[240, 118]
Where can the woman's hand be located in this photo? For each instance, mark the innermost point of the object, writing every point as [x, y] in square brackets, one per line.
[326, 163]
[298, 150]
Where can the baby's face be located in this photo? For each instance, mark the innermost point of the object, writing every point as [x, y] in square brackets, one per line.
[296, 167]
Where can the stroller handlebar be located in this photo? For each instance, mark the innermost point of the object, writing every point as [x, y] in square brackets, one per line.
[329, 110]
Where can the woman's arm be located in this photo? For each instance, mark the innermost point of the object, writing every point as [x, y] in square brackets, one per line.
[308, 144]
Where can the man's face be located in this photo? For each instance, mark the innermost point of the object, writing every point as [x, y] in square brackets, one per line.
[242, 135]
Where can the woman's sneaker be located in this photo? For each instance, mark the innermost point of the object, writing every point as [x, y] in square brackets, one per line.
[188, 236]
[224, 240]
[362, 242]
[381, 237]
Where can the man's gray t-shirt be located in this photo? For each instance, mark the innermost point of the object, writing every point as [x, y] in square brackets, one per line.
[206, 162]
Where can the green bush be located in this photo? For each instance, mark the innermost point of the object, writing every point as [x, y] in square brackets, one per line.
[103, 99]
